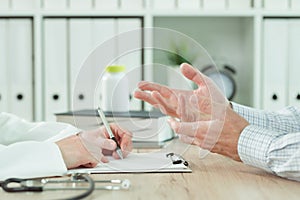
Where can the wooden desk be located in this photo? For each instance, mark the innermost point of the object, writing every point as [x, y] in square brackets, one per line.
[213, 177]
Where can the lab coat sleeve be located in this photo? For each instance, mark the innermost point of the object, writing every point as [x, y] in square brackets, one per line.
[14, 129]
[31, 159]
[28, 150]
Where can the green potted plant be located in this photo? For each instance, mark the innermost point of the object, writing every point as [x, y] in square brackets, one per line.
[179, 53]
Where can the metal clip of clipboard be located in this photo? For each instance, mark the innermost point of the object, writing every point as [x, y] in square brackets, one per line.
[177, 159]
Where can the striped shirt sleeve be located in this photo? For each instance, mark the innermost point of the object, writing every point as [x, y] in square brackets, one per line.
[271, 141]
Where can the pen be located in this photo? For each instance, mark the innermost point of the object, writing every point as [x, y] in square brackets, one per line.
[111, 135]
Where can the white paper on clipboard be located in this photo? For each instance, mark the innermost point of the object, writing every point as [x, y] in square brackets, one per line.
[141, 163]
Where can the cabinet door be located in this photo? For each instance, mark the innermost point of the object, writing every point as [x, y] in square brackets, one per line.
[20, 67]
[56, 67]
[275, 63]
[294, 62]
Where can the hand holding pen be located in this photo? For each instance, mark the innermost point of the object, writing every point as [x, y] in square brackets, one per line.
[118, 137]
[89, 148]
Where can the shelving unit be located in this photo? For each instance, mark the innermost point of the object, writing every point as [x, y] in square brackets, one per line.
[230, 34]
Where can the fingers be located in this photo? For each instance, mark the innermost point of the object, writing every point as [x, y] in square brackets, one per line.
[199, 129]
[193, 74]
[107, 144]
[182, 109]
[191, 129]
[163, 90]
[165, 106]
[145, 96]
[186, 139]
[124, 138]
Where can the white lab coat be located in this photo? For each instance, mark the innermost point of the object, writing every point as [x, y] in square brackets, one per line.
[28, 150]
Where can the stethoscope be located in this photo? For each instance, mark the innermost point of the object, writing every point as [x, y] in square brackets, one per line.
[39, 185]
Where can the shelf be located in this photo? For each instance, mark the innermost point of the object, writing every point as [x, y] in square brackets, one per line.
[200, 13]
[287, 13]
[232, 34]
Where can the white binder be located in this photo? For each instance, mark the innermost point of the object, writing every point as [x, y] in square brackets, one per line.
[132, 4]
[104, 31]
[80, 4]
[165, 4]
[3, 65]
[276, 4]
[55, 4]
[23, 4]
[214, 4]
[294, 62]
[239, 4]
[191, 4]
[295, 4]
[56, 67]
[4, 4]
[130, 53]
[275, 63]
[106, 4]
[80, 48]
[20, 67]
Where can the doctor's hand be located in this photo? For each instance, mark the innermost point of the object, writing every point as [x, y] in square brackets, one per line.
[89, 148]
[205, 103]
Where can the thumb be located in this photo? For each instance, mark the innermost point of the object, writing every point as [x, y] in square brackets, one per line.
[193, 74]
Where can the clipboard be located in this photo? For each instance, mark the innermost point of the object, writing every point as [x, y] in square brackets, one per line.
[141, 163]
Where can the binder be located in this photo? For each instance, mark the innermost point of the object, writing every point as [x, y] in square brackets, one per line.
[55, 4]
[191, 4]
[154, 162]
[239, 4]
[132, 4]
[165, 4]
[20, 53]
[294, 62]
[4, 4]
[103, 32]
[276, 4]
[295, 4]
[275, 54]
[214, 4]
[95, 32]
[106, 4]
[23, 4]
[56, 67]
[81, 83]
[3, 65]
[129, 52]
[80, 4]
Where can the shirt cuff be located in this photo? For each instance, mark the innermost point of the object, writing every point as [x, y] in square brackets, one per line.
[253, 146]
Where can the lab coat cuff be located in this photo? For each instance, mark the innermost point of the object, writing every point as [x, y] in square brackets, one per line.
[66, 132]
[31, 159]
